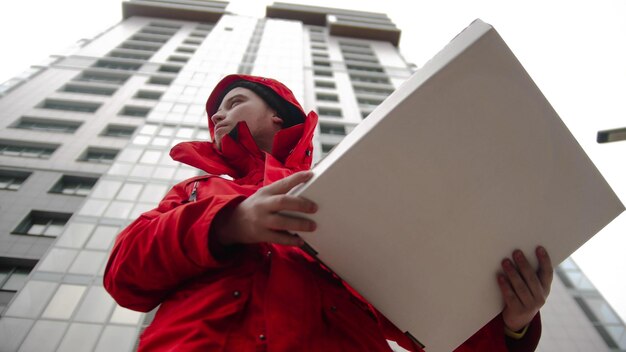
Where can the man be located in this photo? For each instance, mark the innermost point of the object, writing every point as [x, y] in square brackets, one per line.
[228, 275]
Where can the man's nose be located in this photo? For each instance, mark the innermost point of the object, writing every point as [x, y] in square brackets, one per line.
[217, 117]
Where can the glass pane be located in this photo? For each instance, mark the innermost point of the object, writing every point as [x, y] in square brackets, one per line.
[139, 209]
[130, 191]
[122, 315]
[12, 331]
[141, 140]
[54, 230]
[164, 173]
[75, 235]
[58, 260]
[142, 171]
[160, 141]
[117, 338]
[119, 210]
[16, 280]
[80, 337]
[96, 306]
[103, 237]
[36, 229]
[31, 300]
[151, 157]
[151, 129]
[120, 169]
[93, 207]
[87, 262]
[44, 336]
[106, 189]
[153, 193]
[184, 133]
[64, 302]
[130, 155]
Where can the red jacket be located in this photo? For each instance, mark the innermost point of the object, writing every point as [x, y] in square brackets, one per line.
[260, 297]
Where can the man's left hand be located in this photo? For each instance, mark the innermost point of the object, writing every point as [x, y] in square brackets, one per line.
[524, 290]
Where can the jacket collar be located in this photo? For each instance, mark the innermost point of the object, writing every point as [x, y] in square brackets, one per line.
[292, 151]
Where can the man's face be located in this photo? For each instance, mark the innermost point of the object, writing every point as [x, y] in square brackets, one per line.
[242, 104]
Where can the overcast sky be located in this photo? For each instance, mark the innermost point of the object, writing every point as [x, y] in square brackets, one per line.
[574, 50]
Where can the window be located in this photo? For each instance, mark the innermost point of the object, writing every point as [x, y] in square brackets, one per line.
[326, 148]
[97, 155]
[198, 34]
[336, 130]
[135, 111]
[148, 94]
[368, 102]
[169, 69]
[134, 46]
[117, 65]
[368, 59]
[165, 25]
[612, 135]
[326, 97]
[100, 77]
[87, 89]
[57, 126]
[191, 42]
[42, 223]
[157, 31]
[205, 27]
[178, 59]
[118, 131]
[148, 38]
[364, 68]
[185, 49]
[330, 112]
[163, 81]
[321, 63]
[355, 45]
[325, 84]
[69, 105]
[360, 89]
[123, 54]
[74, 185]
[366, 52]
[12, 180]
[369, 79]
[12, 278]
[323, 73]
[319, 47]
[26, 150]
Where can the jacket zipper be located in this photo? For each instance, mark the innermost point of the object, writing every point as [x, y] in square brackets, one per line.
[194, 192]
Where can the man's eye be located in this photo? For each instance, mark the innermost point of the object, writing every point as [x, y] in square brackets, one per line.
[235, 103]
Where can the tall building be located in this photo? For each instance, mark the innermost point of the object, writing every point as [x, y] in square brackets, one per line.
[84, 144]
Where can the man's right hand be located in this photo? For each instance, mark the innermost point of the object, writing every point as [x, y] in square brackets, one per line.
[257, 218]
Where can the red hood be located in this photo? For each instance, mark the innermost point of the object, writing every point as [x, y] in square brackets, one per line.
[292, 149]
[214, 99]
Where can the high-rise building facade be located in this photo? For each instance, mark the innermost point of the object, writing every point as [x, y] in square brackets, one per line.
[84, 145]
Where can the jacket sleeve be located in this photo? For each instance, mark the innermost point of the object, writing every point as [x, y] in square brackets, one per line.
[491, 337]
[163, 248]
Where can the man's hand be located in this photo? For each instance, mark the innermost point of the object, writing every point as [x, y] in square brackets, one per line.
[256, 219]
[524, 290]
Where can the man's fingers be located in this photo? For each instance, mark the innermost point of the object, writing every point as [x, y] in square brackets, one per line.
[508, 294]
[284, 202]
[283, 186]
[546, 270]
[289, 223]
[529, 275]
[518, 284]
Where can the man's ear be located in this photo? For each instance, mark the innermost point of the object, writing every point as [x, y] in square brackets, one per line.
[276, 119]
